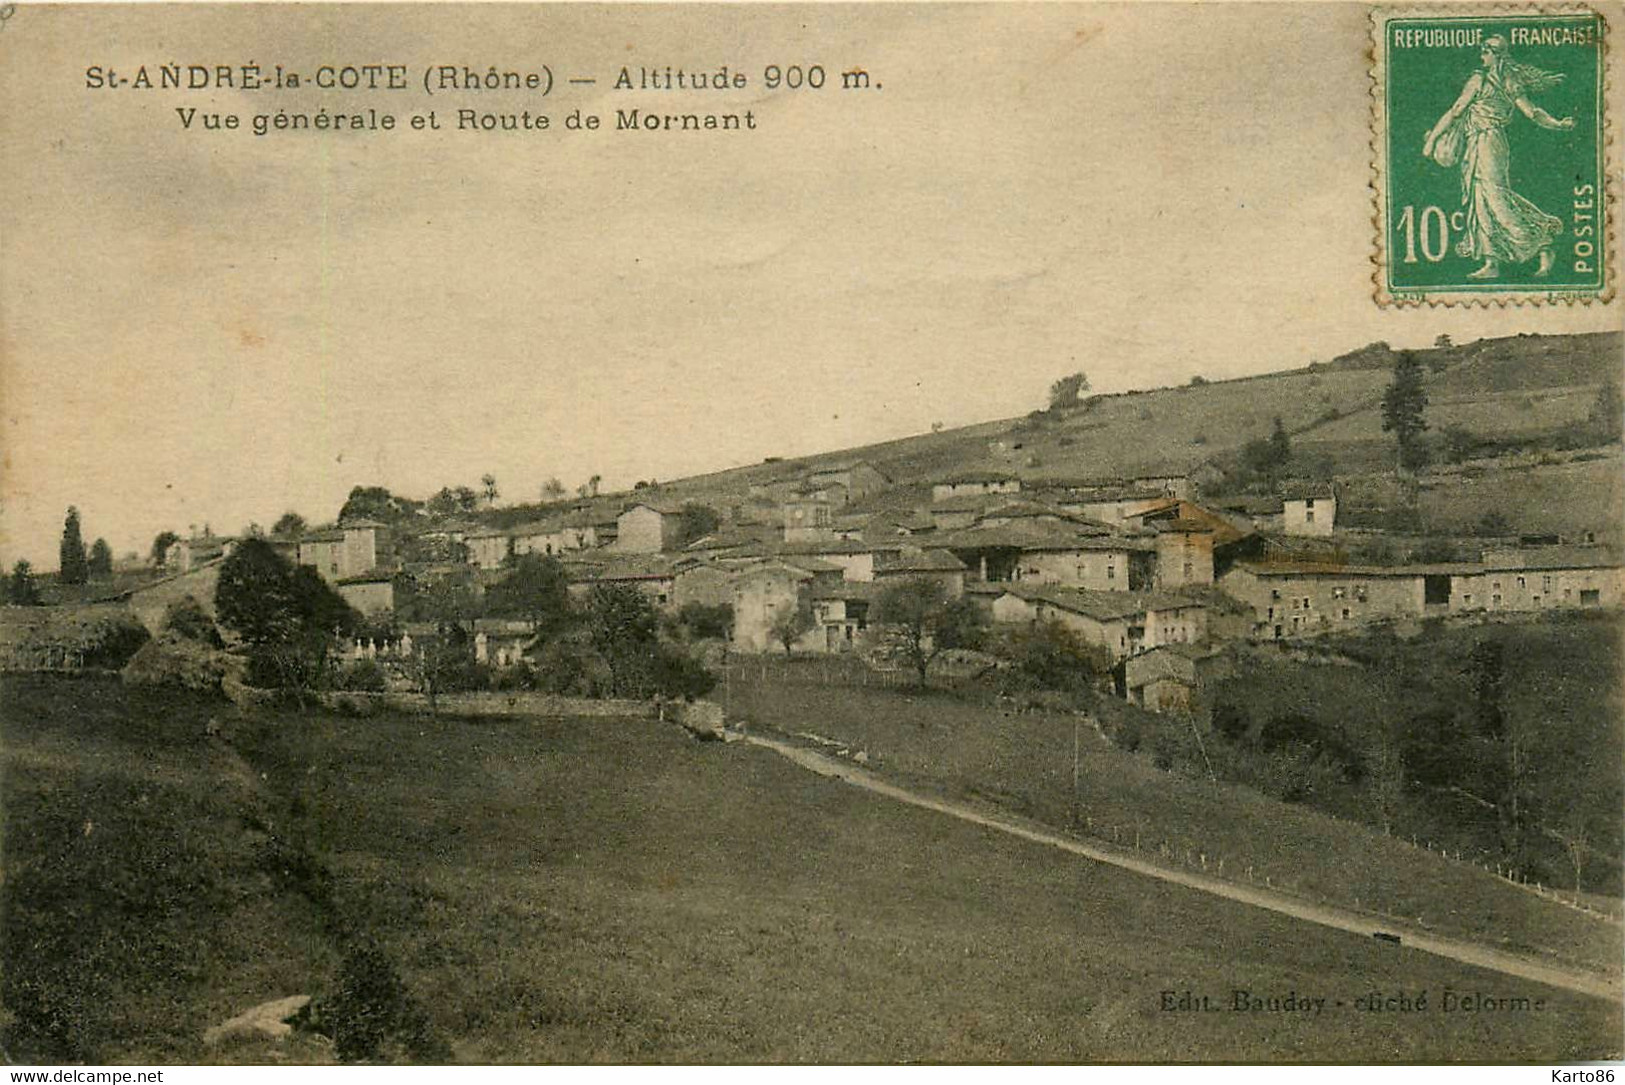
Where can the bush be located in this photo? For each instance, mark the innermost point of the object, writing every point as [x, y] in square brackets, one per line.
[176, 662]
[372, 1017]
[702, 622]
[363, 676]
[519, 676]
[677, 674]
[187, 618]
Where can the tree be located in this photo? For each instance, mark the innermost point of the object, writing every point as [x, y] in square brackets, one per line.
[1404, 406]
[289, 525]
[444, 660]
[697, 521]
[536, 590]
[1606, 413]
[161, 544]
[553, 490]
[100, 562]
[791, 624]
[370, 503]
[706, 622]
[622, 627]
[488, 489]
[1264, 458]
[1280, 445]
[1052, 656]
[1443, 343]
[21, 591]
[922, 622]
[1067, 392]
[1197, 380]
[74, 568]
[288, 617]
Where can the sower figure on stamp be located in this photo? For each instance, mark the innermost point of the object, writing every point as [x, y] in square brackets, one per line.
[1502, 226]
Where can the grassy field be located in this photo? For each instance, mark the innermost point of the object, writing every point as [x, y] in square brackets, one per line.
[142, 899]
[1024, 763]
[603, 891]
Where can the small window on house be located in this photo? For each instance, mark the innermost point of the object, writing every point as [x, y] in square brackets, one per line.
[1306, 602]
[1275, 593]
[1546, 583]
[1111, 572]
[1521, 583]
[1589, 597]
[1309, 505]
[1338, 592]
[1496, 585]
[1190, 570]
[1309, 516]
[1345, 612]
[1270, 613]
[1466, 600]
[1495, 600]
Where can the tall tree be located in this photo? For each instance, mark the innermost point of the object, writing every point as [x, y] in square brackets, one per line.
[1404, 407]
[99, 565]
[289, 524]
[488, 489]
[922, 622]
[624, 629]
[1280, 445]
[287, 616]
[537, 590]
[553, 490]
[161, 544]
[74, 568]
[21, 591]
[1607, 414]
[1067, 391]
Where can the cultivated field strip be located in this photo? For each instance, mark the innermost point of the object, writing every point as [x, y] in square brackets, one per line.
[1480, 956]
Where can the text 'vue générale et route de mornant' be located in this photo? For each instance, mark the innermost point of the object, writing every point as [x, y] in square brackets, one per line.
[468, 98]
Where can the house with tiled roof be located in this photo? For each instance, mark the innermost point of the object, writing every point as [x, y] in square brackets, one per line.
[649, 527]
[974, 483]
[1124, 623]
[933, 564]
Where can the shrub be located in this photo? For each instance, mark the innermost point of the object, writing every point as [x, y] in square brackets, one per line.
[363, 676]
[372, 1017]
[176, 662]
[187, 618]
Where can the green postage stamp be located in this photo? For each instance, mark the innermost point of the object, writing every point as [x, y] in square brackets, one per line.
[1490, 145]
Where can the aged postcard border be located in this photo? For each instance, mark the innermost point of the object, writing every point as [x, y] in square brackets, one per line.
[1383, 294]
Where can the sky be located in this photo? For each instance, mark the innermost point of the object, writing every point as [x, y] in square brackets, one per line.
[214, 327]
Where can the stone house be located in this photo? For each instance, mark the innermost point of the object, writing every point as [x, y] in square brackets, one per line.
[1310, 510]
[938, 565]
[649, 528]
[1124, 623]
[974, 484]
[352, 548]
[859, 478]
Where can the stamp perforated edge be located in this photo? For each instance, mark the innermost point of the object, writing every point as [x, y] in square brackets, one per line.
[1378, 146]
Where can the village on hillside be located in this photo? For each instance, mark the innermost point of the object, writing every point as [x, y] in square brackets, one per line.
[1339, 642]
[1162, 576]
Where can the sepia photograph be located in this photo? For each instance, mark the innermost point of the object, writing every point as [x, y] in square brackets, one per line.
[712, 534]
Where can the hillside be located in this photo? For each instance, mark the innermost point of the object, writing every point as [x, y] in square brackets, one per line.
[1525, 385]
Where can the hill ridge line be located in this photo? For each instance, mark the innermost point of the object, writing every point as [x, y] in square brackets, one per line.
[1465, 952]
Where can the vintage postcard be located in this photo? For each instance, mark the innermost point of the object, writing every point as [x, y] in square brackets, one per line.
[702, 534]
[1463, 206]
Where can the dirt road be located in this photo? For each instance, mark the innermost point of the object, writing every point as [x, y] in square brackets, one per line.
[1481, 956]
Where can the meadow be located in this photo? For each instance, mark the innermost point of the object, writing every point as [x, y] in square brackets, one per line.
[563, 890]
